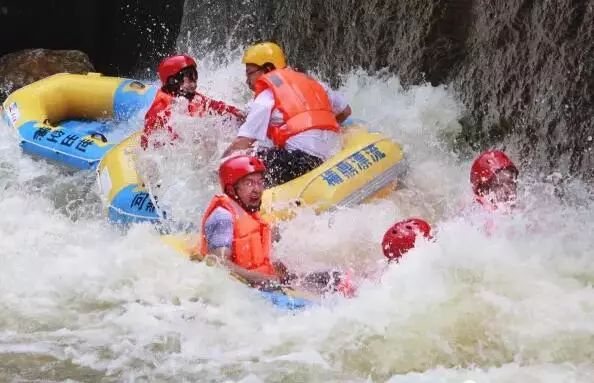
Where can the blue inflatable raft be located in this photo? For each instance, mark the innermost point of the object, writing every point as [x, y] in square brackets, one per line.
[72, 118]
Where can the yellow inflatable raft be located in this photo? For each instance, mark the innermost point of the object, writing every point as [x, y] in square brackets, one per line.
[368, 164]
[285, 298]
[67, 117]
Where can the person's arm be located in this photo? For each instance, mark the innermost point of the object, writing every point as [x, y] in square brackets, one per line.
[340, 106]
[218, 230]
[153, 121]
[223, 254]
[240, 143]
[340, 117]
[256, 123]
[221, 108]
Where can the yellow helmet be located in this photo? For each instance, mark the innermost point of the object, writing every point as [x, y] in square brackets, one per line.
[266, 52]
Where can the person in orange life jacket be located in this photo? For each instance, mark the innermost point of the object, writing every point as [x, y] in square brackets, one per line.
[178, 75]
[293, 120]
[402, 236]
[494, 180]
[233, 230]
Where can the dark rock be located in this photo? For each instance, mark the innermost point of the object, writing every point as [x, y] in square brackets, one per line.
[122, 37]
[21, 68]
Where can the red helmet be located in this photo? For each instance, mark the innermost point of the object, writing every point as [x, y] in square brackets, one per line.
[170, 66]
[401, 237]
[486, 166]
[237, 167]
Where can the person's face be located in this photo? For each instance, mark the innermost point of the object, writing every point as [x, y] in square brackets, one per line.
[249, 190]
[189, 84]
[503, 188]
[252, 73]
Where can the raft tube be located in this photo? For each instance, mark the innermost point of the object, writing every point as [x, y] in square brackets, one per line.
[368, 165]
[284, 299]
[126, 199]
[69, 118]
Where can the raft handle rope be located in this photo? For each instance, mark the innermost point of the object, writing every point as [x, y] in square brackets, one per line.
[137, 84]
[100, 136]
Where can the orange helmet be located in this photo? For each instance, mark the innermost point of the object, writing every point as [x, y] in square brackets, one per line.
[401, 237]
[486, 166]
[237, 167]
[170, 66]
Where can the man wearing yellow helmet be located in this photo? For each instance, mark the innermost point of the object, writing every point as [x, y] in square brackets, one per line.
[293, 122]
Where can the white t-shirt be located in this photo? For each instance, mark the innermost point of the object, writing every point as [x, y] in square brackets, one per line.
[317, 142]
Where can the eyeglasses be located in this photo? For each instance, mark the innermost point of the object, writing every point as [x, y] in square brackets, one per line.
[248, 74]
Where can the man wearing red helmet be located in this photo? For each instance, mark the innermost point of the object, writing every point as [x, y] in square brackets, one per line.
[178, 76]
[233, 230]
[493, 177]
[402, 236]
[232, 227]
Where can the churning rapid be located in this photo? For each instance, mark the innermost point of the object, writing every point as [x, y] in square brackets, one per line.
[82, 300]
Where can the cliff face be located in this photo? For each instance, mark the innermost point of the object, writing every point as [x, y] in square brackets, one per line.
[523, 68]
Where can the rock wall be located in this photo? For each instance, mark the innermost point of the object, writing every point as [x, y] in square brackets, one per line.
[523, 68]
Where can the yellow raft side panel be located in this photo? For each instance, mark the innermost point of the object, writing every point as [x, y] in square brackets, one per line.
[119, 166]
[321, 189]
[64, 96]
[315, 189]
[186, 245]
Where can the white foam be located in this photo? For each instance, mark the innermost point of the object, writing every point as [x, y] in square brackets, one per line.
[513, 306]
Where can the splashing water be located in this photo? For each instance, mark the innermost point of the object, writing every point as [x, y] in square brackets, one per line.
[82, 300]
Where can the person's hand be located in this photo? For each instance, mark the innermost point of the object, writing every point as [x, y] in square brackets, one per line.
[284, 276]
[195, 254]
[241, 115]
[267, 283]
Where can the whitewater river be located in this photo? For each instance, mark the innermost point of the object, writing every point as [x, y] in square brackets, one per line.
[82, 301]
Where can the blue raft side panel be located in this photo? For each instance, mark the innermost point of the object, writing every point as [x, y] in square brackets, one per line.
[131, 97]
[132, 205]
[286, 302]
[70, 142]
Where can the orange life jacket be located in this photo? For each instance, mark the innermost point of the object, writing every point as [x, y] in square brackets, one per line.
[302, 100]
[251, 236]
